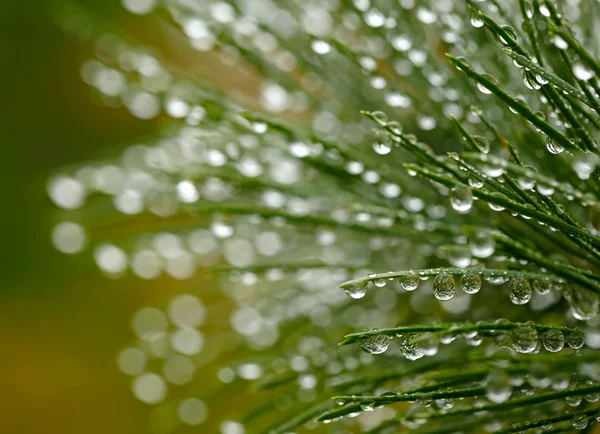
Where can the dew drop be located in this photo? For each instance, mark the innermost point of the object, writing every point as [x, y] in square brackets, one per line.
[382, 148]
[367, 405]
[560, 42]
[482, 144]
[476, 21]
[580, 422]
[498, 388]
[444, 287]
[410, 348]
[541, 286]
[528, 9]
[376, 344]
[584, 303]
[581, 72]
[475, 182]
[461, 198]
[525, 339]
[380, 117]
[429, 343]
[471, 283]
[380, 283]
[520, 291]
[553, 147]
[356, 290]
[530, 81]
[409, 283]
[482, 245]
[510, 32]
[553, 340]
[575, 339]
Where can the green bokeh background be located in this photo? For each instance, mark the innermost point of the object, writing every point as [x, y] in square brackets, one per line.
[61, 322]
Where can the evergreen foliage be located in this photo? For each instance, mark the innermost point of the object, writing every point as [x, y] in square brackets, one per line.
[451, 142]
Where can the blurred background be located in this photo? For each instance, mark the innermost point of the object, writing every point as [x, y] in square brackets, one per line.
[62, 322]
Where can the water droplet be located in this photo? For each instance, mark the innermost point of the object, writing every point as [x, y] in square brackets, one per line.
[541, 286]
[444, 287]
[530, 81]
[510, 33]
[528, 9]
[382, 148]
[482, 144]
[380, 117]
[380, 283]
[553, 147]
[376, 344]
[367, 405]
[471, 283]
[582, 72]
[483, 89]
[482, 245]
[559, 42]
[498, 388]
[553, 340]
[584, 303]
[520, 291]
[525, 339]
[409, 283]
[356, 290]
[575, 339]
[410, 347]
[476, 21]
[429, 343]
[573, 401]
[580, 422]
[475, 182]
[461, 198]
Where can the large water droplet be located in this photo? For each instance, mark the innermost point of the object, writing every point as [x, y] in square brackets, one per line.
[380, 283]
[471, 283]
[580, 422]
[510, 33]
[584, 303]
[553, 340]
[376, 344]
[553, 147]
[520, 291]
[382, 148]
[498, 387]
[530, 81]
[461, 198]
[525, 339]
[357, 290]
[444, 287]
[410, 347]
[410, 282]
[482, 144]
[575, 339]
[476, 21]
